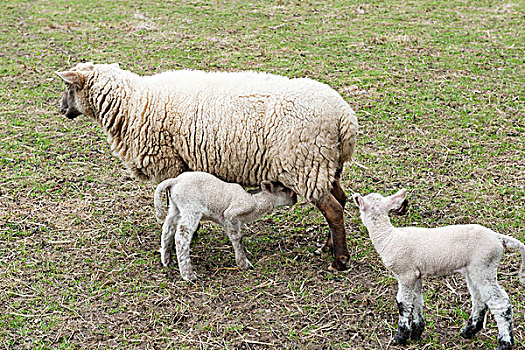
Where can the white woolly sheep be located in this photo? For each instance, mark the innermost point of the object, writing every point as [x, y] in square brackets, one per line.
[410, 253]
[196, 196]
[242, 127]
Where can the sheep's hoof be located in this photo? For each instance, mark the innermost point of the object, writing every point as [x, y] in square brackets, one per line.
[340, 264]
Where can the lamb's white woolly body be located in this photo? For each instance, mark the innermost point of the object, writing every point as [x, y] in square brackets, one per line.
[196, 196]
[242, 127]
[413, 252]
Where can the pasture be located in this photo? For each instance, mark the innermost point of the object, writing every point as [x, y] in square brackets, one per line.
[439, 90]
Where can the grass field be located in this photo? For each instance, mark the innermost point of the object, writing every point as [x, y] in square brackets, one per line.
[439, 92]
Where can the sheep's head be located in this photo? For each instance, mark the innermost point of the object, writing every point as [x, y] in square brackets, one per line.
[282, 196]
[73, 99]
[375, 202]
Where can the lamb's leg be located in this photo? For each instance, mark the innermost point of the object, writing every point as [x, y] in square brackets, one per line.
[333, 213]
[168, 232]
[418, 320]
[405, 304]
[479, 310]
[233, 230]
[499, 304]
[340, 195]
[186, 227]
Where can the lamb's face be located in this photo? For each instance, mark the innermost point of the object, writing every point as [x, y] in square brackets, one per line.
[281, 195]
[369, 203]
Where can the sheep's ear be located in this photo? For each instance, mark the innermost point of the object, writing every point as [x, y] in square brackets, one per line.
[267, 186]
[395, 201]
[73, 78]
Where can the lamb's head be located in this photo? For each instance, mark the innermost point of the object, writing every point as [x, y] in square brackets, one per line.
[374, 204]
[280, 195]
[73, 101]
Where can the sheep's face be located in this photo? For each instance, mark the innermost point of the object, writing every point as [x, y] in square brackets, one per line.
[376, 203]
[68, 105]
[73, 102]
[281, 195]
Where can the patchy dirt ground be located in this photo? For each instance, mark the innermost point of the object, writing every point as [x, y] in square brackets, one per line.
[85, 271]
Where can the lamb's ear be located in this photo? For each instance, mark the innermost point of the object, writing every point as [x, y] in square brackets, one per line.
[267, 186]
[395, 201]
[358, 200]
[74, 78]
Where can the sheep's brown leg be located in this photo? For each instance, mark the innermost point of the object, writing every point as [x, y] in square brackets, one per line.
[340, 195]
[333, 213]
[338, 192]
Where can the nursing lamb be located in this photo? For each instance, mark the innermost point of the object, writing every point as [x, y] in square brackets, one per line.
[242, 127]
[410, 253]
[196, 196]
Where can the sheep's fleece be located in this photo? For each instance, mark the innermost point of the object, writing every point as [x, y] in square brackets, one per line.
[243, 127]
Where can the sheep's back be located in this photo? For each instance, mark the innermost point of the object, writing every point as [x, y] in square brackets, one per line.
[263, 127]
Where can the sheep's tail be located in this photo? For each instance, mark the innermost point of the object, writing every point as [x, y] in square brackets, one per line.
[348, 134]
[518, 245]
[161, 207]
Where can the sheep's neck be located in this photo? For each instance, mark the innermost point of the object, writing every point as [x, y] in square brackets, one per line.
[379, 228]
[109, 106]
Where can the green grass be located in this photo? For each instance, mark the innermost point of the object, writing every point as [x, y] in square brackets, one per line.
[439, 92]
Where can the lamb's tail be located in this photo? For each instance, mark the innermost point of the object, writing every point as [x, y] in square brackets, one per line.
[348, 128]
[518, 245]
[161, 207]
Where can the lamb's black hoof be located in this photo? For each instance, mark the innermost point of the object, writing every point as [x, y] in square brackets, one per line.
[399, 340]
[471, 329]
[417, 330]
[504, 345]
[468, 332]
[401, 337]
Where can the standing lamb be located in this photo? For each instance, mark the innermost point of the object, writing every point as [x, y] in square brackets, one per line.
[410, 253]
[196, 196]
[242, 127]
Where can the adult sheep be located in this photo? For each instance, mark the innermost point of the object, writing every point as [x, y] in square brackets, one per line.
[242, 127]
